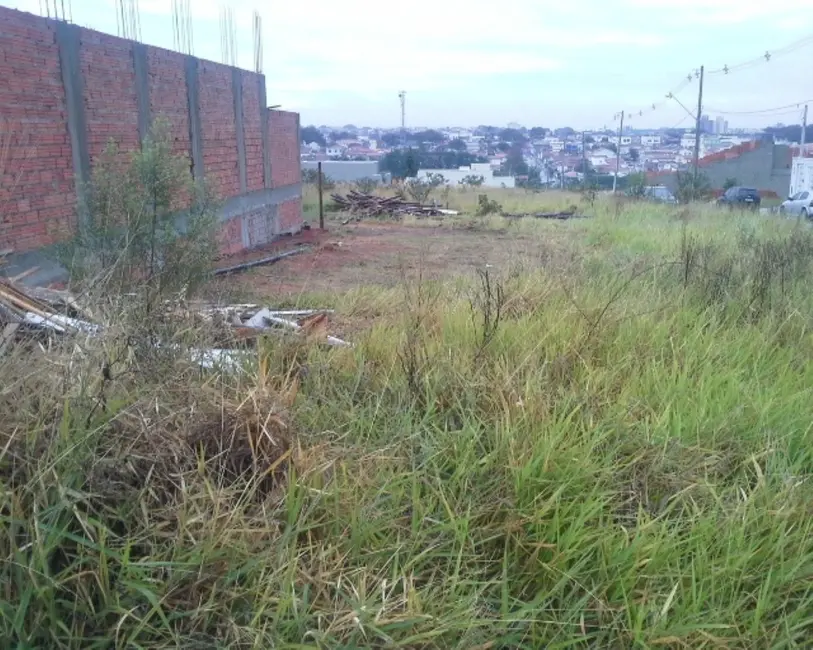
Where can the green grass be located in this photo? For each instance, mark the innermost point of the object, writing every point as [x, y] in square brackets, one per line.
[622, 461]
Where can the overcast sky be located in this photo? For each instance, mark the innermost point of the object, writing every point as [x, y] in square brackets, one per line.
[467, 62]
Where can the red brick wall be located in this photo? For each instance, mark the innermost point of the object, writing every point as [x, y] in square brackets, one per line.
[37, 196]
[284, 145]
[219, 135]
[166, 85]
[252, 132]
[111, 108]
[289, 215]
[37, 190]
[167, 88]
[230, 237]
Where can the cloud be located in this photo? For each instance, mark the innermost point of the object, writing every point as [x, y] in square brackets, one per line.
[424, 45]
[721, 12]
[471, 60]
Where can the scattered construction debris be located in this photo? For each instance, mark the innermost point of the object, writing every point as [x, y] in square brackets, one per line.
[39, 310]
[47, 313]
[262, 261]
[252, 320]
[361, 204]
[566, 214]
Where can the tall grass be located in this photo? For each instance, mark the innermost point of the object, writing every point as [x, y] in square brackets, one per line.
[614, 457]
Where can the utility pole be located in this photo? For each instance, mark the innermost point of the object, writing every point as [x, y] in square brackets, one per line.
[804, 134]
[697, 135]
[618, 152]
[402, 97]
[321, 205]
[584, 165]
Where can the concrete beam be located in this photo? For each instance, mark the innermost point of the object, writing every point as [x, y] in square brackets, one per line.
[236, 206]
[264, 125]
[68, 43]
[142, 76]
[237, 92]
[195, 130]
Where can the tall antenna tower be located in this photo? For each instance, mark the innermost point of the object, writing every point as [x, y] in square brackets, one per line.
[402, 97]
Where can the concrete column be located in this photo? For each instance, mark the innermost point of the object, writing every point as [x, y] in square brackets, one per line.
[299, 143]
[264, 115]
[237, 92]
[141, 68]
[68, 42]
[195, 135]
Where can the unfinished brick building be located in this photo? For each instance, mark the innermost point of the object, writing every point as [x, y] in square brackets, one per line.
[66, 91]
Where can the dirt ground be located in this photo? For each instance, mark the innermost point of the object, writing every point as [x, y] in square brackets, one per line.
[383, 254]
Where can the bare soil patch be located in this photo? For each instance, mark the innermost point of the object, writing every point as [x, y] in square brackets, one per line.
[382, 254]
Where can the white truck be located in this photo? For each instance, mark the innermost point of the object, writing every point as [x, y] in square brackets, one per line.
[801, 176]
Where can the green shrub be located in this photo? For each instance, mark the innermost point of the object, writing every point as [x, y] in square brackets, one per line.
[139, 235]
[486, 206]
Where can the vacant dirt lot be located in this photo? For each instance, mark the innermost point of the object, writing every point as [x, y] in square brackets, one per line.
[370, 253]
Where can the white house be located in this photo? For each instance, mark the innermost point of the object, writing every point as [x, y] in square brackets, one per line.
[650, 140]
[334, 151]
[603, 153]
[454, 176]
[556, 144]
[687, 140]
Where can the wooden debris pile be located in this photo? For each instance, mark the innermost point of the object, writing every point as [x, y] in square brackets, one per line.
[361, 204]
[39, 311]
[565, 214]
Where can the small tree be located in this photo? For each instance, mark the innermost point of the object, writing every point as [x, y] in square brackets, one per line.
[636, 185]
[487, 206]
[419, 190]
[472, 180]
[410, 165]
[435, 180]
[311, 177]
[152, 230]
[689, 189]
[729, 183]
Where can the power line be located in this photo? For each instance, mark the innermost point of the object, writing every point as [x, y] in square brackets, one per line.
[767, 57]
[794, 106]
[764, 58]
[681, 121]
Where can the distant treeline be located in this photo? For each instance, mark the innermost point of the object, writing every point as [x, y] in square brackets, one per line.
[792, 132]
[405, 163]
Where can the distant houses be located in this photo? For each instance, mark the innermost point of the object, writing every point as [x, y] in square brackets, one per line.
[516, 151]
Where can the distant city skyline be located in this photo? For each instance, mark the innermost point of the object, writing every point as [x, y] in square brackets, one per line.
[715, 126]
[576, 64]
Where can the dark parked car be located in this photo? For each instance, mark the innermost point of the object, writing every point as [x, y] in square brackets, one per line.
[740, 197]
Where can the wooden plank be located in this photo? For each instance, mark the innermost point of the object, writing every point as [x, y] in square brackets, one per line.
[7, 336]
[25, 274]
